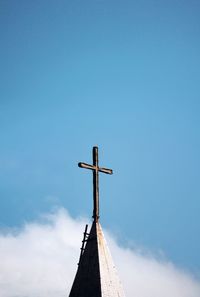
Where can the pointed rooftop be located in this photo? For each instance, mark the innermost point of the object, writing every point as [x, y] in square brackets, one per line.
[96, 275]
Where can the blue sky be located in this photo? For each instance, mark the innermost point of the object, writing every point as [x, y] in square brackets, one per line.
[123, 75]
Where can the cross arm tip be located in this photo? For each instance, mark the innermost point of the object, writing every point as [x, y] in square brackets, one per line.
[86, 166]
[106, 170]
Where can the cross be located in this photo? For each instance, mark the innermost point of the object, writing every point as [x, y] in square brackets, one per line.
[96, 169]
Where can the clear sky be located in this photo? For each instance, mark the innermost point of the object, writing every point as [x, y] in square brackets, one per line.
[123, 75]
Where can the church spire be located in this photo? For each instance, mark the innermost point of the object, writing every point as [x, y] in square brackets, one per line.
[96, 169]
[96, 275]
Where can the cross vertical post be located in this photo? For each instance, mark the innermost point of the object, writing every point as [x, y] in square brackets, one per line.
[96, 169]
[95, 183]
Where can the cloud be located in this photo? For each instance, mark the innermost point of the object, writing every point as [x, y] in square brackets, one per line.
[40, 260]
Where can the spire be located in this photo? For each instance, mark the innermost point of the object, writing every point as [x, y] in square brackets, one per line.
[96, 169]
[96, 275]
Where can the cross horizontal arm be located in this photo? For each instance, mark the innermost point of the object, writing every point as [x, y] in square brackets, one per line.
[85, 165]
[105, 170]
[92, 167]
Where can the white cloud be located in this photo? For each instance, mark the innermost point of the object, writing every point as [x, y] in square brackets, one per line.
[40, 261]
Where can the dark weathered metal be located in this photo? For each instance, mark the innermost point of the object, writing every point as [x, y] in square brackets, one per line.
[96, 169]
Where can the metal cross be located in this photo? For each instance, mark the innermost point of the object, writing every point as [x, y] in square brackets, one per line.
[96, 169]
